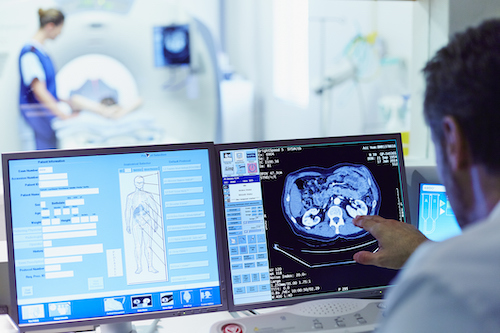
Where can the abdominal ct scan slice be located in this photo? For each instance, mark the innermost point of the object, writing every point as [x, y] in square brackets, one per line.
[320, 203]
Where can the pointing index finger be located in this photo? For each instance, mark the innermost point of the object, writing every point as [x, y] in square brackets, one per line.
[366, 221]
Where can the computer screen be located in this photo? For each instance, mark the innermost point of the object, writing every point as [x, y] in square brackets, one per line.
[435, 216]
[171, 45]
[112, 234]
[288, 210]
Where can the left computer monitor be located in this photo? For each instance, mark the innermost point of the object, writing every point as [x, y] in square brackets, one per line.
[112, 234]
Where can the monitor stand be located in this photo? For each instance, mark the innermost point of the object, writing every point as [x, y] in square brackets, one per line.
[127, 327]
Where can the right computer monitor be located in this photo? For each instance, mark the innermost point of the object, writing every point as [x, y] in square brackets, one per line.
[435, 216]
[289, 207]
[430, 209]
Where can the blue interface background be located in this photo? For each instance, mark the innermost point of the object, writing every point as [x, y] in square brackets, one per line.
[436, 219]
[102, 172]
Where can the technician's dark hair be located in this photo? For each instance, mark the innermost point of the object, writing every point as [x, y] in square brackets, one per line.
[50, 15]
[463, 81]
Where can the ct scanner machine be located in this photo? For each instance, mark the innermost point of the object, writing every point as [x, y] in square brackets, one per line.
[97, 77]
[180, 103]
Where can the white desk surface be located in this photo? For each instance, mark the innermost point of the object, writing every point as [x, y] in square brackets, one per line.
[199, 323]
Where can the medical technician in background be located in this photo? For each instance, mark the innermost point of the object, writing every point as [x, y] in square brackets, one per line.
[452, 286]
[38, 95]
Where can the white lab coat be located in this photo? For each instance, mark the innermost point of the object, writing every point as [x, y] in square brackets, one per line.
[451, 286]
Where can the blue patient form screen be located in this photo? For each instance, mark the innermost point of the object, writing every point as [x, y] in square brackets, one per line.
[106, 235]
[436, 219]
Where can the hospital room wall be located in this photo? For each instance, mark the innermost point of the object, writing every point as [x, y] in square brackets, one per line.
[250, 46]
[412, 30]
[380, 30]
[442, 19]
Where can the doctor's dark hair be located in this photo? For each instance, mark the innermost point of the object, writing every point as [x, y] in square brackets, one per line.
[50, 15]
[463, 81]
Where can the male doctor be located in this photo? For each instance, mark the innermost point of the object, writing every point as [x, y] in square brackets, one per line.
[453, 286]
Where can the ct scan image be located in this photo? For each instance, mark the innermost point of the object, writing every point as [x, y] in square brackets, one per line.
[319, 204]
[310, 206]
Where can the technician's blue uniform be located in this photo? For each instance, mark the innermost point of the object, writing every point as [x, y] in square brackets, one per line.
[36, 115]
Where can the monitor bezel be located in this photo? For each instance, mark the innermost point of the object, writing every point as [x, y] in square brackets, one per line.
[374, 292]
[218, 227]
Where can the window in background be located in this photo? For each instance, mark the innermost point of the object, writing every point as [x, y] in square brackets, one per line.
[290, 51]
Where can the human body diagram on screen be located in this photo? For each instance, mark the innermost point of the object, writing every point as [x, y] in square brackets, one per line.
[144, 238]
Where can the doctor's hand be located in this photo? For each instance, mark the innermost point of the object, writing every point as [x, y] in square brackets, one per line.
[73, 114]
[397, 241]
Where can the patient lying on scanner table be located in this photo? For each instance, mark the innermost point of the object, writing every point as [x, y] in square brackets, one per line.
[103, 120]
[108, 107]
[98, 97]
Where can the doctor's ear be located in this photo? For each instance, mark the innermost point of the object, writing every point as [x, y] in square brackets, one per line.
[49, 26]
[52, 27]
[454, 144]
